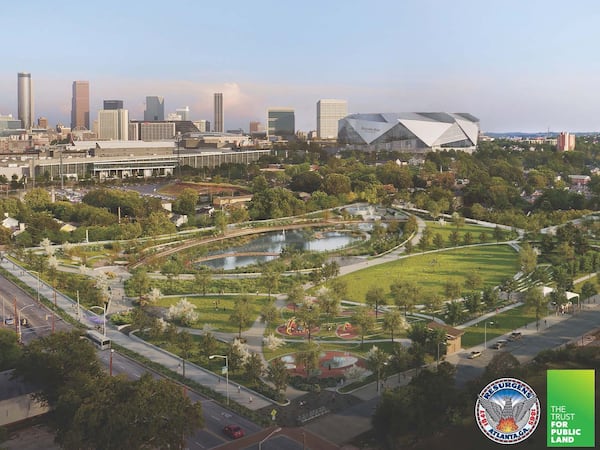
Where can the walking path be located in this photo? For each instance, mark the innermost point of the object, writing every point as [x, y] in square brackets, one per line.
[242, 395]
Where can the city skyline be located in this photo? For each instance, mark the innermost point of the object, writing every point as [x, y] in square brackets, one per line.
[502, 64]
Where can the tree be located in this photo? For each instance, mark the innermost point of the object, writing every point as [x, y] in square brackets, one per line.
[38, 199]
[270, 279]
[158, 223]
[393, 322]
[377, 361]
[253, 367]
[473, 302]
[364, 321]
[277, 373]
[11, 350]
[109, 415]
[535, 300]
[186, 202]
[375, 298]
[490, 297]
[220, 222]
[139, 283]
[310, 314]
[400, 359]
[406, 294]
[473, 280]
[309, 358]
[269, 313]
[452, 289]
[454, 311]
[336, 184]
[296, 295]
[208, 344]
[185, 341]
[468, 238]
[527, 258]
[203, 279]
[411, 225]
[433, 303]
[240, 315]
[587, 290]
[454, 238]
[329, 303]
[498, 234]
[183, 312]
[56, 361]
[425, 239]
[438, 240]
[171, 269]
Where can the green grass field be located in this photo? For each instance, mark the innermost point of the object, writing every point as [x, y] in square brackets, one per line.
[503, 323]
[445, 231]
[495, 263]
[217, 318]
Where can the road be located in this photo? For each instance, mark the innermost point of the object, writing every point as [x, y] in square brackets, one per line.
[39, 318]
[525, 349]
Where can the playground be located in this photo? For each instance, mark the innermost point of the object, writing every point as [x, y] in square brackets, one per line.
[295, 328]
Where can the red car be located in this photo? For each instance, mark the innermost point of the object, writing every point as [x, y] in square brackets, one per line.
[233, 431]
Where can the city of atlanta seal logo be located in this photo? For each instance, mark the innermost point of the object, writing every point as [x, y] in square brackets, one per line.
[507, 411]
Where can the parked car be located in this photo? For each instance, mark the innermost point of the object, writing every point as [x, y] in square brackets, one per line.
[515, 336]
[233, 431]
[474, 354]
[9, 321]
[499, 344]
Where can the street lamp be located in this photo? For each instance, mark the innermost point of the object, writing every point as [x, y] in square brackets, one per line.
[112, 350]
[38, 284]
[19, 335]
[276, 430]
[226, 372]
[485, 333]
[103, 317]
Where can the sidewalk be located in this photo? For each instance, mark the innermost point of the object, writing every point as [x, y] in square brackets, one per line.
[246, 397]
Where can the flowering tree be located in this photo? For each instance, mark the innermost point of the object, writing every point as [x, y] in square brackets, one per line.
[183, 312]
[273, 342]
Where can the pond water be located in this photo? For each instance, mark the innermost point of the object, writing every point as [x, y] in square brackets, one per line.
[275, 242]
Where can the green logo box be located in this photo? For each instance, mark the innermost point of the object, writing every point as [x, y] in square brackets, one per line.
[571, 408]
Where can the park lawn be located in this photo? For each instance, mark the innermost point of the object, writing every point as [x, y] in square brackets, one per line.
[505, 322]
[445, 231]
[431, 271]
[218, 319]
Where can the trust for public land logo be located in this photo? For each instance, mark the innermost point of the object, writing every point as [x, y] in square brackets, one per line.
[507, 411]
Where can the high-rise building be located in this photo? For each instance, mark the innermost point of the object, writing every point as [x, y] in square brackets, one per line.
[113, 124]
[202, 125]
[565, 142]
[80, 105]
[183, 113]
[329, 112]
[256, 127]
[155, 108]
[281, 122]
[25, 99]
[42, 123]
[111, 105]
[158, 131]
[219, 115]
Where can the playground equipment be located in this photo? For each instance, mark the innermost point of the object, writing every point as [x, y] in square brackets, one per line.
[290, 326]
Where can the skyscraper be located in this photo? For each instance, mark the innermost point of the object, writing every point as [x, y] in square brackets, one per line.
[281, 122]
[80, 105]
[183, 113]
[111, 105]
[219, 116]
[25, 99]
[113, 124]
[329, 112]
[155, 108]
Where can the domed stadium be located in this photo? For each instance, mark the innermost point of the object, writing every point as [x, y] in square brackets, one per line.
[409, 132]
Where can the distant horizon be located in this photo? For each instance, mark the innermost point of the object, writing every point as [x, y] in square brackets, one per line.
[492, 61]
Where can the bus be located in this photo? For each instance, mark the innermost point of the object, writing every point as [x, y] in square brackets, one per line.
[98, 339]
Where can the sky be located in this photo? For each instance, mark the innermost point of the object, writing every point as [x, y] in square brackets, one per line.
[517, 65]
